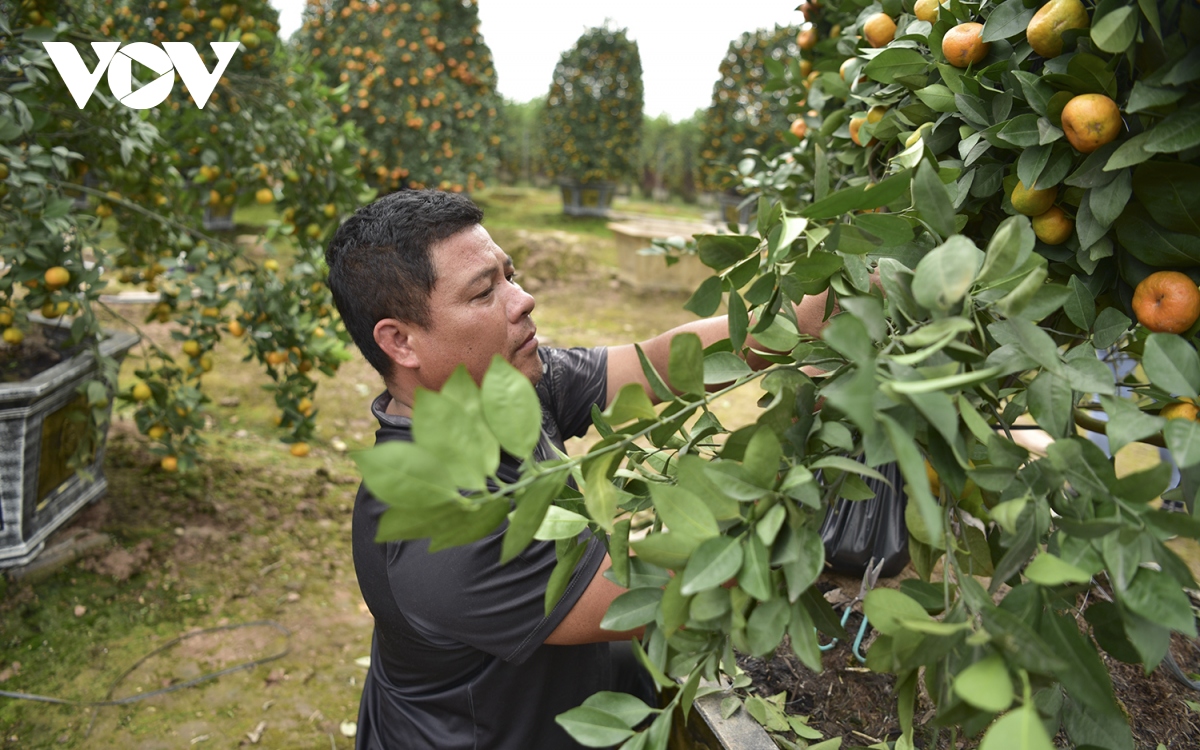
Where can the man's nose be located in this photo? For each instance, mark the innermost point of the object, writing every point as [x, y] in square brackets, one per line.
[522, 303]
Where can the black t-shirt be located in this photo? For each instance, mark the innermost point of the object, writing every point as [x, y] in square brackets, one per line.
[457, 658]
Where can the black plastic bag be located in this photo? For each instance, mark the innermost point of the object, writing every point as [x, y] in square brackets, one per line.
[855, 531]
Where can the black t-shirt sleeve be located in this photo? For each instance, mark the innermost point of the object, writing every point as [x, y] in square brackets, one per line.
[464, 595]
[573, 380]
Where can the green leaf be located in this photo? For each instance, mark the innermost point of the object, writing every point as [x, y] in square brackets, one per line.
[724, 367]
[1007, 20]
[765, 628]
[1178, 132]
[624, 706]
[720, 251]
[1021, 130]
[666, 550]
[986, 684]
[739, 321]
[1114, 31]
[761, 459]
[631, 403]
[713, 563]
[632, 609]
[1144, 97]
[815, 267]
[1017, 730]
[656, 382]
[1172, 364]
[560, 523]
[1171, 193]
[1154, 245]
[1159, 598]
[1010, 246]
[896, 62]
[1080, 307]
[683, 512]
[1111, 324]
[1130, 152]
[1183, 438]
[755, 575]
[888, 609]
[938, 98]
[945, 274]
[450, 425]
[1127, 423]
[1083, 673]
[511, 408]
[592, 727]
[524, 522]
[860, 197]
[707, 297]
[932, 200]
[1050, 401]
[1048, 570]
[686, 363]
[567, 554]
[601, 497]
[1109, 201]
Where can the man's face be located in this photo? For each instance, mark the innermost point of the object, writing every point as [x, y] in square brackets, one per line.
[476, 310]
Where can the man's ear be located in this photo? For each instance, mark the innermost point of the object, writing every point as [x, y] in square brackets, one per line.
[395, 338]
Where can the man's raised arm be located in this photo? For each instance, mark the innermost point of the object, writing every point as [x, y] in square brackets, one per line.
[624, 367]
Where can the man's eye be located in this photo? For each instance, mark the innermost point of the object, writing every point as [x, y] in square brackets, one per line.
[486, 294]
[512, 277]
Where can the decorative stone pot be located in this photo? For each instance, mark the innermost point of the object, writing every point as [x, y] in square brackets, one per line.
[646, 271]
[737, 209]
[38, 493]
[218, 220]
[587, 198]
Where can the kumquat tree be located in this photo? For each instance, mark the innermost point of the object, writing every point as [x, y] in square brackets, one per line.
[98, 197]
[592, 122]
[1001, 201]
[420, 85]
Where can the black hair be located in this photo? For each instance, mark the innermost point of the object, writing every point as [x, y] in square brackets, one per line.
[380, 265]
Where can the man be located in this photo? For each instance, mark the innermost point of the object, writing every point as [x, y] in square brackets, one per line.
[463, 655]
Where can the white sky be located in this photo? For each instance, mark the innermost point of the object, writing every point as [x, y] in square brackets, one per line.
[681, 43]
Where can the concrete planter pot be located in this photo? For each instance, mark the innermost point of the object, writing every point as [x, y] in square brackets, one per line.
[707, 730]
[646, 272]
[587, 198]
[38, 493]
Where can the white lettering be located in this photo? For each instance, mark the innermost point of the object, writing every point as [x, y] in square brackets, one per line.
[118, 62]
[80, 81]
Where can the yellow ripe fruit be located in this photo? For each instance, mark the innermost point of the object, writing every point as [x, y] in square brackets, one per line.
[104, 211]
[217, 24]
[276, 358]
[211, 312]
[963, 45]
[251, 40]
[313, 231]
[876, 113]
[319, 332]
[304, 366]
[926, 10]
[807, 39]
[1180, 410]
[13, 336]
[264, 196]
[6, 316]
[156, 432]
[879, 30]
[54, 309]
[1090, 121]
[305, 406]
[206, 363]
[236, 328]
[1033, 202]
[1053, 227]
[799, 128]
[935, 482]
[271, 264]
[170, 463]
[805, 67]
[191, 348]
[1045, 30]
[182, 411]
[142, 392]
[56, 277]
[330, 210]
[300, 450]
